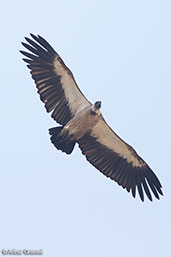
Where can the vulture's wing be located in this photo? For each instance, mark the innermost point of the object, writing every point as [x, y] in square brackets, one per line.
[119, 161]
[55, 83]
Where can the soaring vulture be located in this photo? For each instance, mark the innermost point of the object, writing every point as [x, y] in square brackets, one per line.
[82, 122]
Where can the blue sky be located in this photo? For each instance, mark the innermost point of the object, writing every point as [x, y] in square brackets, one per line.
[120, 53]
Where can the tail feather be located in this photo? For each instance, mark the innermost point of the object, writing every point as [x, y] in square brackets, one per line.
[60, 140]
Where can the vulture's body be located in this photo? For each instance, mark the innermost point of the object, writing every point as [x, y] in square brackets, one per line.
[82, 123]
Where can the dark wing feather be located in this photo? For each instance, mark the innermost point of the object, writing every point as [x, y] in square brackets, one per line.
[54, 81]
[119, 161]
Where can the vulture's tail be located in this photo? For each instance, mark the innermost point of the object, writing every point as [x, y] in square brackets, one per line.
[60, 140]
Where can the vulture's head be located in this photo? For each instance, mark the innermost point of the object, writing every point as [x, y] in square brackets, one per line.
[97, 105]
[96, 108]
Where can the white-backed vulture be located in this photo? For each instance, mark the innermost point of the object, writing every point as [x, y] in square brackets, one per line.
[83, 123]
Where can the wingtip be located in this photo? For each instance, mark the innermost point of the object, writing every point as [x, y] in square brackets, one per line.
[133, 190]
[27, 39]
[150, 197]
[24, 44]
[160, 191]
[21, 51]
[39, 36]
[34, 36]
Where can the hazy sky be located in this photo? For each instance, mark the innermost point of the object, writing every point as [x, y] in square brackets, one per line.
[119, 53]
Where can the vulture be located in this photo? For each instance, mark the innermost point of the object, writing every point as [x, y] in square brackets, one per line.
[82, 122]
